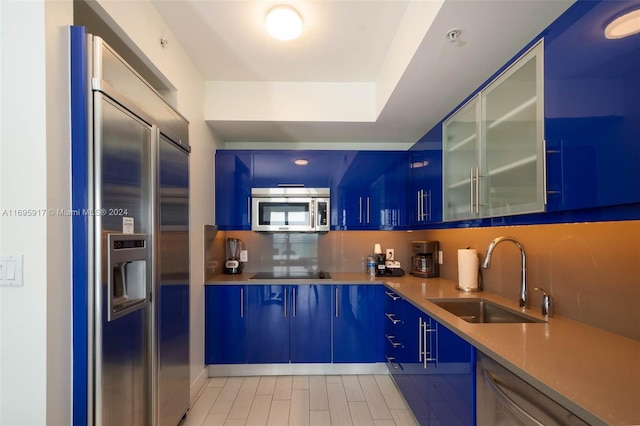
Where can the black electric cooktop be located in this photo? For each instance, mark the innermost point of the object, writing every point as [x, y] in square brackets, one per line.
[320, 275]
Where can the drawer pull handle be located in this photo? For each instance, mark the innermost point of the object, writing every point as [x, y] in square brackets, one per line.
[390, 339]
[392, 319]
[392, 295]
[390, 360]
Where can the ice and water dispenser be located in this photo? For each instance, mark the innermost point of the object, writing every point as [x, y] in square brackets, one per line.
[128, 274]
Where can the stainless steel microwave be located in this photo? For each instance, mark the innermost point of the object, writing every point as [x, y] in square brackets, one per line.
[290, 209]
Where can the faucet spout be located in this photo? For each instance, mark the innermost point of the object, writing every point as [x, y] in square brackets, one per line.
[523, 283]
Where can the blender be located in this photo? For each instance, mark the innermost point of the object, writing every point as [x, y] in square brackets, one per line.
[233, 264]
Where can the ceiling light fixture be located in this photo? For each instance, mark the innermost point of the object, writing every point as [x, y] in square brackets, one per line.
[301, 162]
[624, 25]
[284, 23]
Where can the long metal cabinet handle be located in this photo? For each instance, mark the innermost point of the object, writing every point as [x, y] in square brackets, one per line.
[391, 318]
[419, 203]
[249, 209]
[293, 302]
[495, 387]
[429, 350]
[368, 210]
[360, 217]
[544, 171]
[426, 345]
[391, 294]
[421, 349]
[285, 302]
[471, 200]
[241, 302]
[427, 216]
[477, 190]
[337, 304]
[437, 351]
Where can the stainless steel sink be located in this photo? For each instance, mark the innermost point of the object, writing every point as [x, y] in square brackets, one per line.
[482, 311]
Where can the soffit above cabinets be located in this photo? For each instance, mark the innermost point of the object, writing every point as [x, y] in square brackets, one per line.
[394, 54]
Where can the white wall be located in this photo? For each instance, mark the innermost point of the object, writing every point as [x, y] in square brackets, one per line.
[142, 25]
[35, 320]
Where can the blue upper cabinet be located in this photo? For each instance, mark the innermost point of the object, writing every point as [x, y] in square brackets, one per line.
[234, 172]
[425, 181]
[368, 189]
[291, 168]
[592, 109]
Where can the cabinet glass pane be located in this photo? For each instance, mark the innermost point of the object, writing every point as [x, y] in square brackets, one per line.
[512, 124]
[460, 150]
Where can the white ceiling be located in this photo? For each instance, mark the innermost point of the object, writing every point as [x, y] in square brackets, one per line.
[397, 48]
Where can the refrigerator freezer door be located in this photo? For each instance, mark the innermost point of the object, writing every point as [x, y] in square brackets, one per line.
[173, 282]
[121, 191]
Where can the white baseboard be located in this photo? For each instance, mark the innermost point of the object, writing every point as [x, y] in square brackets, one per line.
[198, 385]
[227, 370]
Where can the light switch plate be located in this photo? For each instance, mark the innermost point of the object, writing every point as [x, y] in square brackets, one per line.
[11, 271]
[440, 257]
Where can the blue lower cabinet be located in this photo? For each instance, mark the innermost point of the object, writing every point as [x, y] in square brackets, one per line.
[311, 323]
[225, 324]
[289, 323]
[356, 324]
[434, 369]
[268, 331]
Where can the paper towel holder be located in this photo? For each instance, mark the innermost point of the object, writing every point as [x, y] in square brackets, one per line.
[473, 289]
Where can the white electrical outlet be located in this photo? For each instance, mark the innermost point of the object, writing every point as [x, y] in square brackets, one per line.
[390, 254]
[244, 256]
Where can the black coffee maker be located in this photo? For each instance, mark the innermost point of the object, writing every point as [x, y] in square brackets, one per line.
[381, 267]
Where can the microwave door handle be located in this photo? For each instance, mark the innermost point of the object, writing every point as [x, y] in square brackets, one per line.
[313, 213]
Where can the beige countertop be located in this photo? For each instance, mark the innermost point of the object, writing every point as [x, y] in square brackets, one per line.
[336, 278]
[592, 372]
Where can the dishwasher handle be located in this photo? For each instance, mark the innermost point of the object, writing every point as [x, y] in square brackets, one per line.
[510, 403]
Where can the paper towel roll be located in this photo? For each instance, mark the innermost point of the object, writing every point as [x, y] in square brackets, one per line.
[468, 264]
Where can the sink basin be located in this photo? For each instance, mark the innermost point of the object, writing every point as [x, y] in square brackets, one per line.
[483, 311]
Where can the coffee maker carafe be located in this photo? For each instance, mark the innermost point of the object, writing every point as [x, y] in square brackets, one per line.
[233, 264]
[425, 259]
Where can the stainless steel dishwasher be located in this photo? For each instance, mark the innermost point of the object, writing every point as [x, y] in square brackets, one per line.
[503, 398]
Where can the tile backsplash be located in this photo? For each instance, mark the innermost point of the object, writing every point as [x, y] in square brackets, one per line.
[592, 270]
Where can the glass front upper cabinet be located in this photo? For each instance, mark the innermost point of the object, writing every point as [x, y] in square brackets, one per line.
[493, 149]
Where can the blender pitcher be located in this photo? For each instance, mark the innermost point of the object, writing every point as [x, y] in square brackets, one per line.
[233, 264]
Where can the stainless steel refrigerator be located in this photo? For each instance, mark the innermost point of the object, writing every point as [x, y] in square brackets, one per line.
[135, 211]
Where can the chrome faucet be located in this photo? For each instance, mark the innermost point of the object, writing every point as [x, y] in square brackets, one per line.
[523, 284]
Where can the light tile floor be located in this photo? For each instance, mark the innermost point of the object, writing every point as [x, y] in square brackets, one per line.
[301, 400]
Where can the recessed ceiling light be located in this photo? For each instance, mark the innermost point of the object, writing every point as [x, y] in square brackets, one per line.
[284, 23]
[418, 164]
[624, 25]
[453, 34]
[301, 162]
